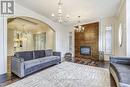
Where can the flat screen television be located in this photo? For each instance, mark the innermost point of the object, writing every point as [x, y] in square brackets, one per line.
[85, 50]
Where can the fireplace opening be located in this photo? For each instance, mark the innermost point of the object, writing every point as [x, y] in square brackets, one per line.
[85, 50]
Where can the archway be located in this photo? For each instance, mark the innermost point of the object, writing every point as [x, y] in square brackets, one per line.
[26, 34]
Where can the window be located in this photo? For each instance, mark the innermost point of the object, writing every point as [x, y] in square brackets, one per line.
[108, 40]
[40, 41]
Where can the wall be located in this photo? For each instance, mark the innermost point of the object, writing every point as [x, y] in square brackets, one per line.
[2, 61]
[61, 33]
[50, 39]
[10, 42]
[121, 19]
[71, 29]
[106, 22]
[128, 26]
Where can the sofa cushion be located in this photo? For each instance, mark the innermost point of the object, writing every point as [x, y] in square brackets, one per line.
[39, 54]
[124, 85]
[34, 62]
[49, 58]
[26, 55]
[123, 72]
[120, 60]
[31, 63]
[48, 52]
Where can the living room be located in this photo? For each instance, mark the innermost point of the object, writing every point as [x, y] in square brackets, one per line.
[73, 36]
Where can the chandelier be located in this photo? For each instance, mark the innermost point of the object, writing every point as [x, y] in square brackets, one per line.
[60, 4]
[79, 28]
[60, 12]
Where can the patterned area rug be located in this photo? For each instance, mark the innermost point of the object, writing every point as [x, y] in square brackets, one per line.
[67, 74]
[89, 62]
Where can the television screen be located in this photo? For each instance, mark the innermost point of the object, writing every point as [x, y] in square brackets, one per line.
[84, 50]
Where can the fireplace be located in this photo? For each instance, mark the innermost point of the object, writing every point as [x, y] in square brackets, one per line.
[85, 50]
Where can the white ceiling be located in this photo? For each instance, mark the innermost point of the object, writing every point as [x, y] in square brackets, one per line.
[89, 10]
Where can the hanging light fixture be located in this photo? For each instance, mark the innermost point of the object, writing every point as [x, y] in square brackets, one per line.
[60, 12]
[60, 5]
[79, 28]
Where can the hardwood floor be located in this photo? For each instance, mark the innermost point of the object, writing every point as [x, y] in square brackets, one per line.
[11, 78]
[113, 83]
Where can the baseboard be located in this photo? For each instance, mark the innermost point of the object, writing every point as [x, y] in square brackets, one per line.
[3, 78]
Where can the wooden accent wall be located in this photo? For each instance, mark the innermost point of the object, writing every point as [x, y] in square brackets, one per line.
[89, 37]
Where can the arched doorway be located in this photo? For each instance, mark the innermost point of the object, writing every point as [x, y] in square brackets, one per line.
[26, 34]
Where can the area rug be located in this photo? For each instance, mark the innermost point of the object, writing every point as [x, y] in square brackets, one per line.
[89, 62]
[67, 74]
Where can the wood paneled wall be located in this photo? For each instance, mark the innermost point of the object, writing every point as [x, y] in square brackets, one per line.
[89, 37]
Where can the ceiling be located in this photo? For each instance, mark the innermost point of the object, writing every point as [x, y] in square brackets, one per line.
[89, 10]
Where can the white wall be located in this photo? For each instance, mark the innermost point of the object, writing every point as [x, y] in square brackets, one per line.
[121, 18]
[106, 22]
[50, 39]
[10, 42]
[71, 29]
[61, 33]
[2, 67]
[128, 26]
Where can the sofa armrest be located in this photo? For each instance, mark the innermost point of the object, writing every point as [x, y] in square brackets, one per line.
[17, 67]
[120, 60]
[57, 54]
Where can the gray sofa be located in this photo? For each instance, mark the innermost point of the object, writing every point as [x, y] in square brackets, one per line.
[28, 62]
[120, 70]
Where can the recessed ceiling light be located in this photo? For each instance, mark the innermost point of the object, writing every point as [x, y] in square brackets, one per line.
[67, 16]
[52, 15]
